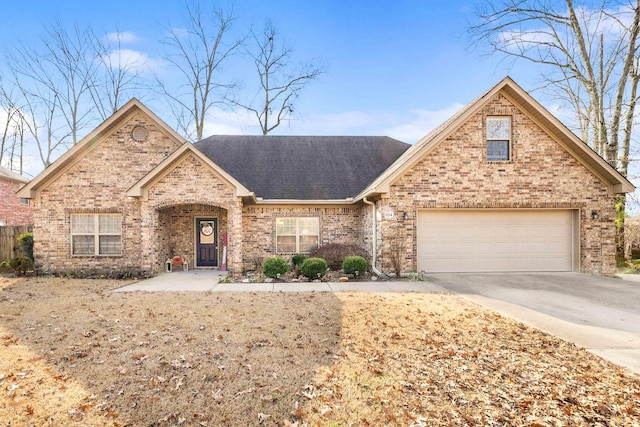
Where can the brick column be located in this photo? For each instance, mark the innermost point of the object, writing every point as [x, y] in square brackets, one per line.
[234, 235]
[149, 260]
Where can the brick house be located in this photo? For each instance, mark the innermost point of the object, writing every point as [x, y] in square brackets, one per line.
[13, 210]
[500, 186]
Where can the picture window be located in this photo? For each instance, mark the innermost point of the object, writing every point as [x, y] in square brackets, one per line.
[297, 234]
[96, 234]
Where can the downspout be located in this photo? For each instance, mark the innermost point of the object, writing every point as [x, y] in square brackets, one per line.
[374, 238]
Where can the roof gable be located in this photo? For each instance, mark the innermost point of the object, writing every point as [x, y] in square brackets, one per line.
[168, 164]
[535, 111]
[303, 167]
[79, 150]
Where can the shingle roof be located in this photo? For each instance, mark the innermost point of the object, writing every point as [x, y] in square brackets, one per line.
[303, 167]
[12, 176]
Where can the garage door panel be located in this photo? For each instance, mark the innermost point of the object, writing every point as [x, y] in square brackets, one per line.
[495, 240]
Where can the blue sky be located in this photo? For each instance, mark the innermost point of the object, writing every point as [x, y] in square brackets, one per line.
[396, 68]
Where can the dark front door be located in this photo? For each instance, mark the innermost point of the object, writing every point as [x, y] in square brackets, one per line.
[207, 242]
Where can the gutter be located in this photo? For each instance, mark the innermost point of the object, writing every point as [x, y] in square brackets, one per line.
[374, 239]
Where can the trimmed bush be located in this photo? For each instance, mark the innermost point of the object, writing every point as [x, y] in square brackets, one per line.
[272, 267]
[26, 243]
[351, 264]
[298, 259]
[335, 253]
[19, 266]
[314, 268]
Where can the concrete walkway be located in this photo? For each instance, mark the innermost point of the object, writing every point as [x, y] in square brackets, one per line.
[594, 333]
[209, 281]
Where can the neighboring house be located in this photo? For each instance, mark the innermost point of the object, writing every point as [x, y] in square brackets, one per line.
[501, 186]
[13, 210]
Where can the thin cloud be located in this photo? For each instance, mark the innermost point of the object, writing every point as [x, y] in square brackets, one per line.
[133, 60]
[408, 127]
[418, 123]
[122, 37]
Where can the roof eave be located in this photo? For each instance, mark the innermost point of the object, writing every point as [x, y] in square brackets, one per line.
[347, 201]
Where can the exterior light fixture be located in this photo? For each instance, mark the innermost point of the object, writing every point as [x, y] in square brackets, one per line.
[594, 215]
[405, 215]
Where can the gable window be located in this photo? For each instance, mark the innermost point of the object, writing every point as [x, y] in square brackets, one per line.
[297, 234]
[498, 131]
[96, 234]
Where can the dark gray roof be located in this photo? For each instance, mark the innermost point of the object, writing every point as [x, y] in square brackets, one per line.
[303, 167]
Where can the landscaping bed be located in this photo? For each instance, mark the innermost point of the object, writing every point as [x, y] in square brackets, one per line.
[74, 354]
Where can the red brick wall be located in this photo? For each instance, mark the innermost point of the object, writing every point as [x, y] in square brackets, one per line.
[12, 212]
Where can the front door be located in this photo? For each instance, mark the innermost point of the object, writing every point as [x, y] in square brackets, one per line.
[206, 242]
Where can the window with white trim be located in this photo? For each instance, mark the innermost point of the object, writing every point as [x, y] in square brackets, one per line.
[96, 234]
[297, 234]
[498, 133]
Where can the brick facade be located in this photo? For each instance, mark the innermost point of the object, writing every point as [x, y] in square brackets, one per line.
[160, 221]
[189, 191]
[12, 210]
[338, 224]
[540, 175]
[97, 183]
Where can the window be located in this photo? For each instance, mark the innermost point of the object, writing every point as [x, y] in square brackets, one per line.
[96, 234]
[24, 201]
[297, 235]
[498, 138]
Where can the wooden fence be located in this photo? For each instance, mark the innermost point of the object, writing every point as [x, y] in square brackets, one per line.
[9, 246]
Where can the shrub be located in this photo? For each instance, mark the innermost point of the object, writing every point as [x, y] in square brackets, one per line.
[353, 264]
[298, 259]
[272, 267]
[314, 268]
[18, 265]
[26, 243]
[335, 253]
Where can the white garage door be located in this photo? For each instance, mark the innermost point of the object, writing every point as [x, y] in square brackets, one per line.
[495, 240]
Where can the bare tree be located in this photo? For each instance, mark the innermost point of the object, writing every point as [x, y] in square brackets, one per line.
[199, 53]
[12, 137]
[280, 81]
[59, 71]
[589, 58]
[41, 117]
[7, 113]
[117, 77]
[16, 153]
[66, 83]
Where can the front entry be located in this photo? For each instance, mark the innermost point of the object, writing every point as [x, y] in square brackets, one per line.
[206, 242]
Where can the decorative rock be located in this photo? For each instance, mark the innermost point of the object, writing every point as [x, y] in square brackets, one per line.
[295, 280]
[374, 278]
[344, 279]
[268, 280]
[316, 281]
[245, 280]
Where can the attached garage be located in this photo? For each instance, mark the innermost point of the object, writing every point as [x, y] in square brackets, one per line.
[495, 240]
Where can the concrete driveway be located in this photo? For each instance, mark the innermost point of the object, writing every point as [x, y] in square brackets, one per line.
[597, 313]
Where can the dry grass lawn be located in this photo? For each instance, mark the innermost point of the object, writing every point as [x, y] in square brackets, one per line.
[75, 354]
